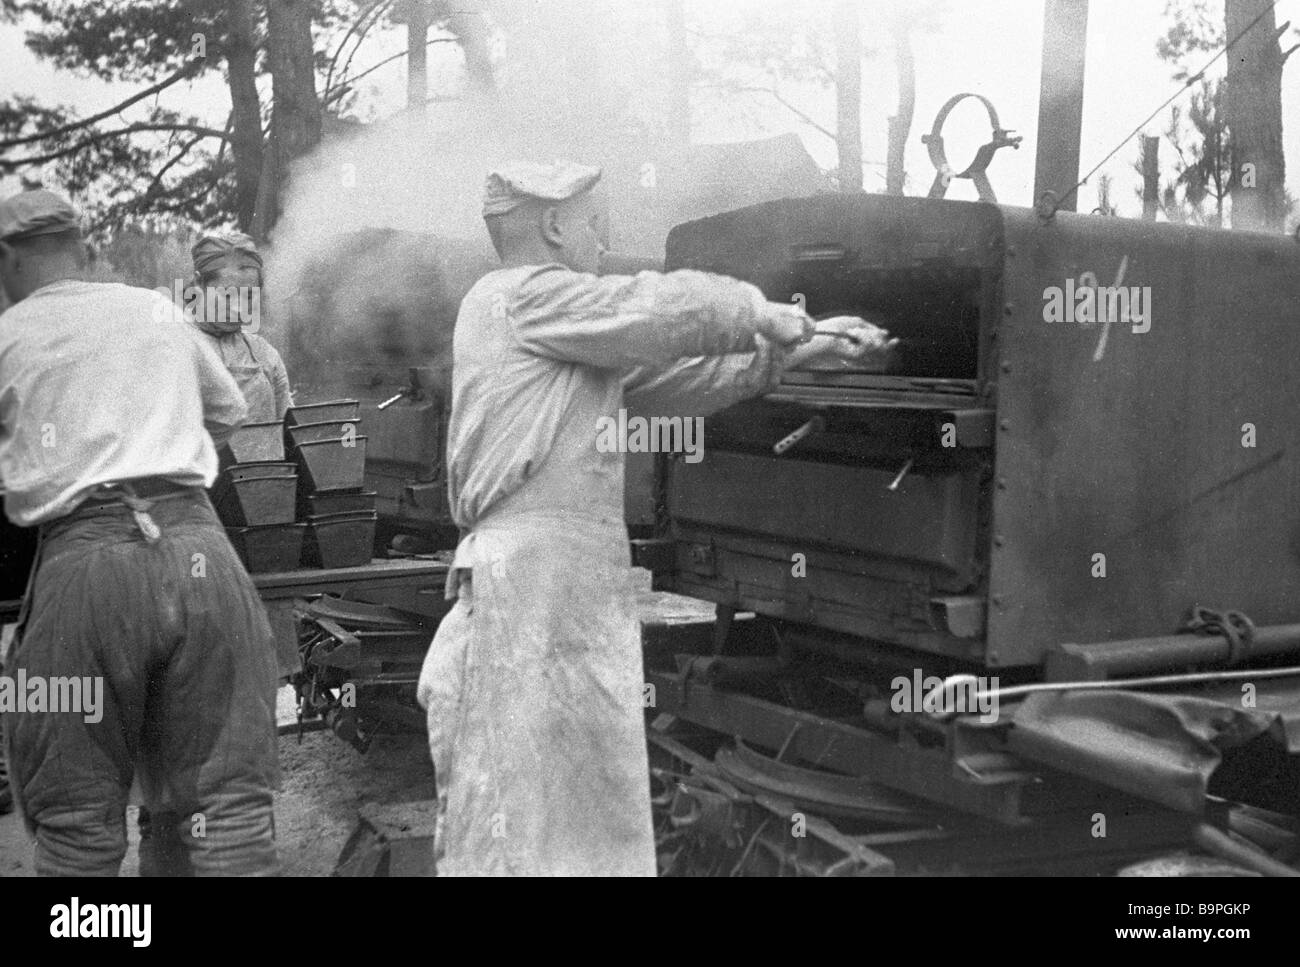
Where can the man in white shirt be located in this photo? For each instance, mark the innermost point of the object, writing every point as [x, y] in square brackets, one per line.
[109, 408]
[534, 682]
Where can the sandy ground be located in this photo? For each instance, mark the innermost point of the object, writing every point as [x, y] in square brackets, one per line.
[324, 784]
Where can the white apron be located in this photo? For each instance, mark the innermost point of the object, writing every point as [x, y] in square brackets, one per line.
[535, 694]
[256, 387]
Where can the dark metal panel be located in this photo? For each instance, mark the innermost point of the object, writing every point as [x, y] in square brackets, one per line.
[638, 489]
[841, 593]
[928, 518]
[1129, 444]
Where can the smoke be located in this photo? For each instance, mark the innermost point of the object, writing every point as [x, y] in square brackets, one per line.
[382, 234]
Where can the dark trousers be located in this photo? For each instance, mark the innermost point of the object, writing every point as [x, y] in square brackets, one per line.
[178, 636]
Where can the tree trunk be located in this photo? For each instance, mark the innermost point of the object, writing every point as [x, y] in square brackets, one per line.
[246, 109]
[900, 125]
[848, 94]
[1150, 177]
[295, 112]
[1253, 109]
[417, 56]
[467, 23]
[268, 197]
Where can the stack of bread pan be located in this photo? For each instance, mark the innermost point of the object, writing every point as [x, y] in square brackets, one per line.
[331, 455]
[255, 497]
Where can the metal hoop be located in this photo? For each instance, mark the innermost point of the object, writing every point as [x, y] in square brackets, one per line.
[975, 171]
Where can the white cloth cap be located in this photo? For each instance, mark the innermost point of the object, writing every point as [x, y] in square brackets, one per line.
[510, 185]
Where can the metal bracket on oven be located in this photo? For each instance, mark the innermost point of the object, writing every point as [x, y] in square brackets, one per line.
[976, 170]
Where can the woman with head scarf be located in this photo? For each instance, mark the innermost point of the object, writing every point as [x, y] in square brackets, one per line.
[228, 268]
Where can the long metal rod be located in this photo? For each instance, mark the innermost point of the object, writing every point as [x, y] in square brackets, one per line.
[1116, 659]
[942, 708]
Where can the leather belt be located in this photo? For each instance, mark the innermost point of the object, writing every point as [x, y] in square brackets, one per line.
[138, 495]
[146, 488]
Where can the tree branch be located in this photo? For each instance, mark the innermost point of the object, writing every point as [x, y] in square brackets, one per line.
[181, 74]
[795, 111]
[343, 85]
[759, 89]
[119, 211]
[11, 163]
[157, 179]
[1288, 53]
[329, 73]
[361, 35]
[207, 187]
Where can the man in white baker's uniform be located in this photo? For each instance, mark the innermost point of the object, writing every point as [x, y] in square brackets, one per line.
[533, 683]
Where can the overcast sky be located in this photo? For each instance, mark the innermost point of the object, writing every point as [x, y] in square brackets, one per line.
[991, 47]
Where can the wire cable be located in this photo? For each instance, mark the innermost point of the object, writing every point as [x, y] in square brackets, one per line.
[1059, 201]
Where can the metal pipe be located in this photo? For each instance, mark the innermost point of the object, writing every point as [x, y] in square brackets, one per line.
[943, 708]
[1109, 659]
[1060, 102]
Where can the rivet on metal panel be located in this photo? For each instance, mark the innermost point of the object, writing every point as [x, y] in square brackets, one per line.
[1004, 425]
[1002, 483]
[1011, 251]
[702, 557]
[1006, 367]
[1009, 309]
[997, 600]
[999, 540]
